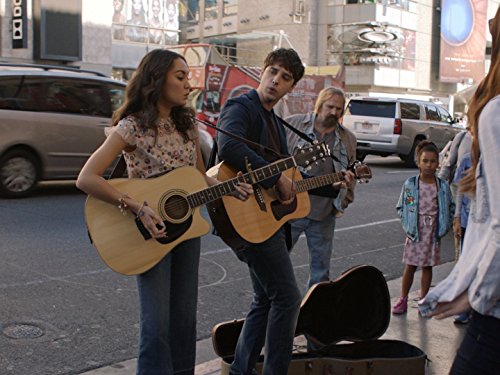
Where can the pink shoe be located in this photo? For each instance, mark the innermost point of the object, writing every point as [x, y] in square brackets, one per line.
[401, 306]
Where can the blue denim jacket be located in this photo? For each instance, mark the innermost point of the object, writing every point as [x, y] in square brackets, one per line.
[407, 207]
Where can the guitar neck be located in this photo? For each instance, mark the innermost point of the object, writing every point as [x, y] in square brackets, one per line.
[227, 187]
[318, 181]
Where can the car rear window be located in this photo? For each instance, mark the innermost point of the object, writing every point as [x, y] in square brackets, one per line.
[371, 108]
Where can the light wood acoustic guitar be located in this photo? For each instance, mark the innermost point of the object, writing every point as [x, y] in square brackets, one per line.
[127, 247]
[255, 220]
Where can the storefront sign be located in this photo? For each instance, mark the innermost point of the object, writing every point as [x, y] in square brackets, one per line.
[19, 24]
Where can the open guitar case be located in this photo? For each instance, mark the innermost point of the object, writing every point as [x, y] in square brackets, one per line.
[344, 318]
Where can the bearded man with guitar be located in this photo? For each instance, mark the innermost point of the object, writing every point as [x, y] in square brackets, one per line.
[274, 310]
[323, 125]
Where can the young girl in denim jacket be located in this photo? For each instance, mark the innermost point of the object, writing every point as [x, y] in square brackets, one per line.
[426, 209]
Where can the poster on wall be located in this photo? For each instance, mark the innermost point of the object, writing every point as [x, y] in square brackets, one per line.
[146, 21]
[463, 41]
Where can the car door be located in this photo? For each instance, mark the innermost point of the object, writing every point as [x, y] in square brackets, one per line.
[76, 111]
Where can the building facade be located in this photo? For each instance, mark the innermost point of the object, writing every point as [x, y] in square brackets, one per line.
[389, 47]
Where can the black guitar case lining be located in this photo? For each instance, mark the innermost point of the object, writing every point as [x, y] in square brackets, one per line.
[355, 308]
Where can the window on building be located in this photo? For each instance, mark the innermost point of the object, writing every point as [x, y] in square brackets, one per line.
[228, 52]
[189, 10]
[410, 111]
[404, 4]
[230, 7]
[210, 10]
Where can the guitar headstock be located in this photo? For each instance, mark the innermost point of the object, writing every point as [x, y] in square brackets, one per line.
[311, 153]
[361, 171]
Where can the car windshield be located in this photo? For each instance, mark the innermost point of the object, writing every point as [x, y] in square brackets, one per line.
[371, 108]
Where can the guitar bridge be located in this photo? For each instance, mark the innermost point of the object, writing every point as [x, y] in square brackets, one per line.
[259, 197]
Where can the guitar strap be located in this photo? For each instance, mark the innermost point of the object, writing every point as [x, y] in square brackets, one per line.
[253, 145]
[305, 137]
[119, 168]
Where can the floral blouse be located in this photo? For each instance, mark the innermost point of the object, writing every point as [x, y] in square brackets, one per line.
[149, 158]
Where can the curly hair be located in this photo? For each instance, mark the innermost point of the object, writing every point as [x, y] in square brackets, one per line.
[144, 90]
[426, 146]
[487, 89]
[288, 59]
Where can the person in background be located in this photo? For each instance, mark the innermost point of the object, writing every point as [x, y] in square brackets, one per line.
[474, 282]
[155, 133]
[426, 209]
[461, 216]
[459, 147]
[319, 226]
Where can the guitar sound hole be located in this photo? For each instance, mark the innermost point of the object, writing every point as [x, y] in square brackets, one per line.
[176, 207]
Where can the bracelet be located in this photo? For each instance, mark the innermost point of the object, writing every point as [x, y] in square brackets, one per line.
[122, 205]
[141, 210]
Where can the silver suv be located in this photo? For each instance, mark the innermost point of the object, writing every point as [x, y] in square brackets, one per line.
[51, 119]
[386, 126]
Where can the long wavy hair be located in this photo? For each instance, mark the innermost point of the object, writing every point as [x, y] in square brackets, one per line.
[487, 89]
[144, 90]
[325, 95]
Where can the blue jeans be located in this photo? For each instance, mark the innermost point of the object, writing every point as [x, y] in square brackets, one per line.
[479, 352]
[274, 310]
[168, 296]
[319, 236]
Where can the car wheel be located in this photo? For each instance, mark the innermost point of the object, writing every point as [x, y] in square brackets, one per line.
[360, 156]
[409, 159]
[19, 174]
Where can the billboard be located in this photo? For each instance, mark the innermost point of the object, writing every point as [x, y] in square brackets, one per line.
[146, 21]
[463, 40]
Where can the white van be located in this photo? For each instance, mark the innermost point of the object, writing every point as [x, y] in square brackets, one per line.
[386, 126]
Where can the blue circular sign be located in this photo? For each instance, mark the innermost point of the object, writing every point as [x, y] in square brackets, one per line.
[457, 21]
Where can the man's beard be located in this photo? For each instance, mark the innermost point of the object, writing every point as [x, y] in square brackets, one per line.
[330, 121]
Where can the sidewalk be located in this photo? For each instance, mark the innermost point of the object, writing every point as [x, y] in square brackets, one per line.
[438, 339]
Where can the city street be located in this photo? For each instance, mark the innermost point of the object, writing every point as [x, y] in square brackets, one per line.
[62, 311]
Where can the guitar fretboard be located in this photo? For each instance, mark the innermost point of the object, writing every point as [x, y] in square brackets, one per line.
[318, 181]
[215, 192]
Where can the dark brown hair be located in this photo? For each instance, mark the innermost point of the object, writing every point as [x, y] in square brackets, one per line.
[288, 59]
[426, 146]
[144, 90]
[486, 90]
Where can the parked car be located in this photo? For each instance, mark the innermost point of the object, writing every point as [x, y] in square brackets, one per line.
[386, 126]
[51, 119]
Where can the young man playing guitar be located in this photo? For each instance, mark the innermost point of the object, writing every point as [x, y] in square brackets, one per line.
[274, 310]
